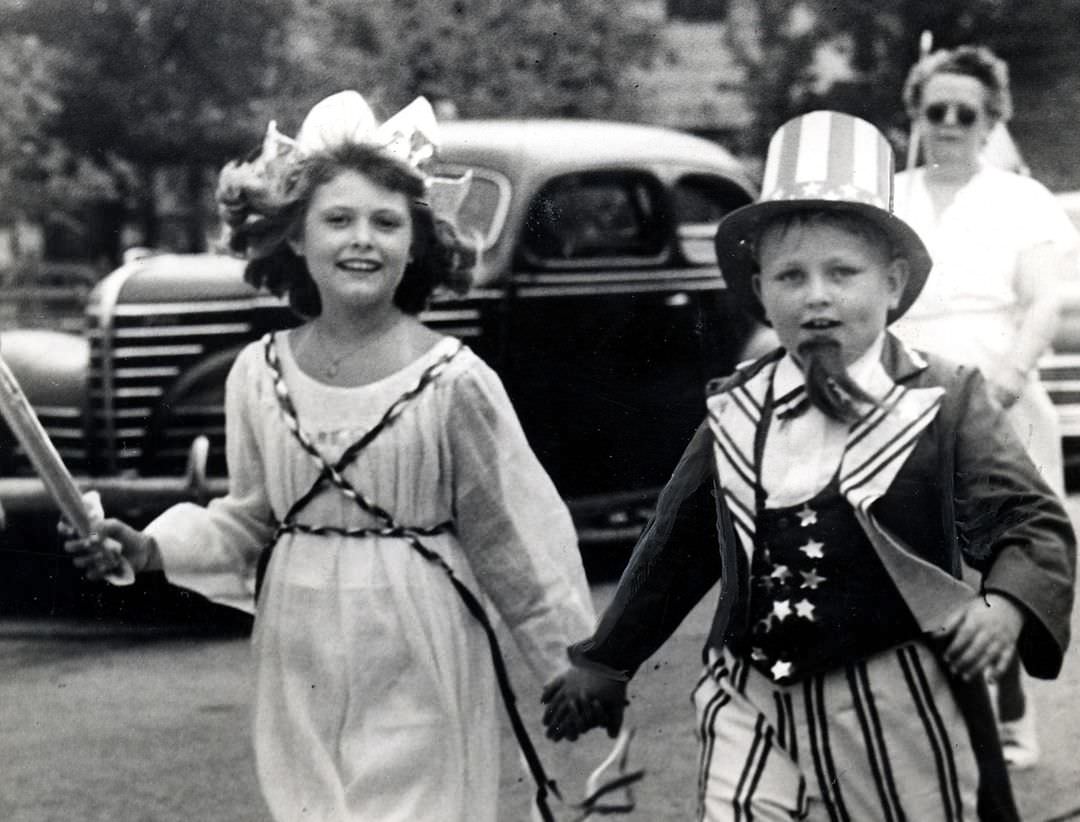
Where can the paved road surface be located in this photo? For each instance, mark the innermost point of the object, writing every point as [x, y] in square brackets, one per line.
[102, 721]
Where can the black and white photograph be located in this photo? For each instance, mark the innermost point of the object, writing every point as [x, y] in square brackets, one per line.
[539, 410]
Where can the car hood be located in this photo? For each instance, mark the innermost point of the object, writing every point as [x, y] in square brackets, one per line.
[50, 366]
[175, 277]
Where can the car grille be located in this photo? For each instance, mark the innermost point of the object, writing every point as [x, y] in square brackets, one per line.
[145, 401]
[64, 426]
[1060, 373]
[139, 417]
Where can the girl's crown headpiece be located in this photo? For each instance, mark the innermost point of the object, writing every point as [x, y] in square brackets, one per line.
[410, 136]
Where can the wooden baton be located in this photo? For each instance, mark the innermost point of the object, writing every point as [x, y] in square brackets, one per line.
[25, 425]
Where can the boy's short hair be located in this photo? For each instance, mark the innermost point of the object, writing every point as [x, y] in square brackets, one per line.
[849, 221]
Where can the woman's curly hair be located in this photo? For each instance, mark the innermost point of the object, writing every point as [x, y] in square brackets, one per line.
[971, 61]
[262, 203]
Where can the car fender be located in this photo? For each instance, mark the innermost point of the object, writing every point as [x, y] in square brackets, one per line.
[51, 366]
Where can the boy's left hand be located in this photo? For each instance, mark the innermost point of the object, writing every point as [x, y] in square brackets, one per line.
[1008, 385]
[981, 637]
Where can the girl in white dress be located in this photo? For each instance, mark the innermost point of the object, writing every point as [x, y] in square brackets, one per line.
[382, 496]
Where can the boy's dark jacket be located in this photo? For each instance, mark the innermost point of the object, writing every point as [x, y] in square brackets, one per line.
[967, 493]
[967, 468]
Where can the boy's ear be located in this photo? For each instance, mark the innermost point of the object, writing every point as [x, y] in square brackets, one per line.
[896, 278]
[297, 245]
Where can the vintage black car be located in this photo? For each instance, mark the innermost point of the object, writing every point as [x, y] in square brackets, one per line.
[598, 301]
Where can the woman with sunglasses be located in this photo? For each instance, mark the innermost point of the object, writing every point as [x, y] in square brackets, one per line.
[999, 242]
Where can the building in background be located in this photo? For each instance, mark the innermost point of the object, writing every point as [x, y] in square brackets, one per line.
[694, 84]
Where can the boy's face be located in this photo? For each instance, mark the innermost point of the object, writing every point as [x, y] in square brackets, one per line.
[824, 281]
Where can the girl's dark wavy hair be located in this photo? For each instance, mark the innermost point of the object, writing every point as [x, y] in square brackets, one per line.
[262, 210]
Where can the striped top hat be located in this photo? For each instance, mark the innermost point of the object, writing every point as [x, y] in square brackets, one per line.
[821, 161]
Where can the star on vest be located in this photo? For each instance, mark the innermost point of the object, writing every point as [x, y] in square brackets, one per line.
[821, 161]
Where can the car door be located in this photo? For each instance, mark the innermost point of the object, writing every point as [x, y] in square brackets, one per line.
[615, 331]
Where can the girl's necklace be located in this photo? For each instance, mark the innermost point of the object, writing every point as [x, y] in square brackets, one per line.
[330, 362]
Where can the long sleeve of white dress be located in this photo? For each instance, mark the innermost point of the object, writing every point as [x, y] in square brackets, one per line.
[513, 526]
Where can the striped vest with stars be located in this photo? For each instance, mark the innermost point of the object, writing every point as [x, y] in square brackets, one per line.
[819, 597]
[875, 449]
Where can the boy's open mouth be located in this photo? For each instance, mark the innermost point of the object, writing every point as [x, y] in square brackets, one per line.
[820, 325]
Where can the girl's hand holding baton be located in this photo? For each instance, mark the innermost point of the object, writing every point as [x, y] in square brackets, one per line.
[102, 559]
[111, 550]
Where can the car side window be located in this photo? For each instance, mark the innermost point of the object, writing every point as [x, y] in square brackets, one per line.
[579, 220]
[479, 209]
[700, 202]
[480, 206]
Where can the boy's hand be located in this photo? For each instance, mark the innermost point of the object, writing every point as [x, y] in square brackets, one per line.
[1007, 386]
[981, 636]
[580, 699]
[103, 552]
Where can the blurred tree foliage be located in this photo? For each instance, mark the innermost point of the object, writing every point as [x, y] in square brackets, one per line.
[513, 57]
[780, 45]
[136, 85]
[104, 93]
[38, 173]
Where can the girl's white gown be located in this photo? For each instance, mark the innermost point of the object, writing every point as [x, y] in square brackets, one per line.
[374, 693]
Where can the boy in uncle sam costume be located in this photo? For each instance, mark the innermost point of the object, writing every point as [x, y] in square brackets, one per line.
[836, 488]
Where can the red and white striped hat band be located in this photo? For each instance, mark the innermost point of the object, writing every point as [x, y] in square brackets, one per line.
[825, 155]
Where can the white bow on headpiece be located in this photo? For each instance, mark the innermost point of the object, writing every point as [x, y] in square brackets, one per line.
[411, 135]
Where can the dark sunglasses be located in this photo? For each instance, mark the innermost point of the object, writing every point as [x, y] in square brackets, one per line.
[965, 114]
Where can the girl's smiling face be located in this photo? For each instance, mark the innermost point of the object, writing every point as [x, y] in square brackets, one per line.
[821, 280]
[356, 238]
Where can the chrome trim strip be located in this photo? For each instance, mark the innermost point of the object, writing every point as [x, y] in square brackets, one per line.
[105, 306]
[62, 432]
[256, 301]
[127, 392]
[129, 372]
[125, 433]
[131, 352]
[448, 315]
[674, 276]
[209, 329]
[141, 412]
[63, 412]
[598, 289]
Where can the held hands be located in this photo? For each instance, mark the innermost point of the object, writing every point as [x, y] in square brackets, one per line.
[580, 699]
[1008, 385]
[111, 548]
[980, 638]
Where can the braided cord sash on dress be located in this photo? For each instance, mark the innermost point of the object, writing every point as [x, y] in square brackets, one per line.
[332, 474]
